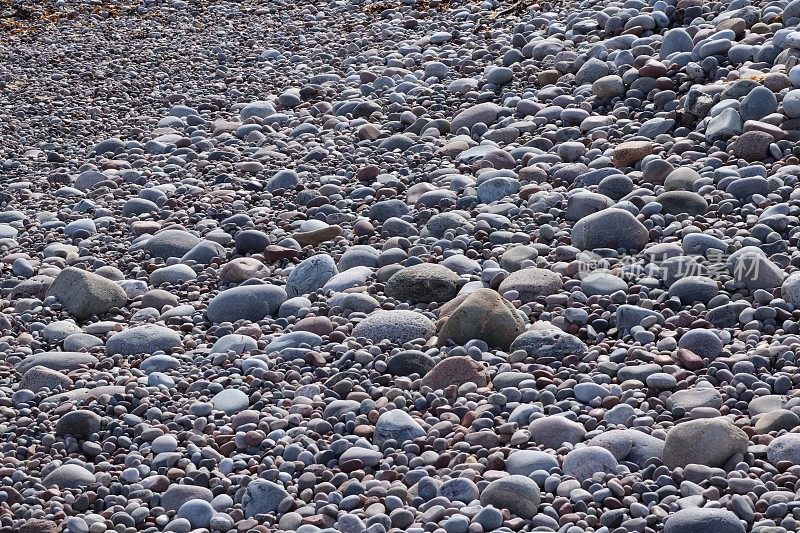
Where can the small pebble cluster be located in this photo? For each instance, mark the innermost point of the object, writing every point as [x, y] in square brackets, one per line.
[422, 266]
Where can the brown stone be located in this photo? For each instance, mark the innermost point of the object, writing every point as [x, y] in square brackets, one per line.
[321, 325]
[273, 252]
[141, 227]
[548, 77]
[629, 153]
[241, 269]
[482, 314]
[38, 526]
[653, 69]
[689, 359]
[316, 237]
[456, 370]
[738, 25]
[755, 125]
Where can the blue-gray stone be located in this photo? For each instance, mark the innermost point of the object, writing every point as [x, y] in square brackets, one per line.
[583, 463]
[144, 339]
[630, 445]
[246, 302]
[197, 512]
[311, 274]
[758, 103]
[396, 425]
[230, 401]
[526, 462]
[459, 490]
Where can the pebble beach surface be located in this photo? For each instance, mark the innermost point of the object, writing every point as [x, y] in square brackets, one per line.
[399, 266]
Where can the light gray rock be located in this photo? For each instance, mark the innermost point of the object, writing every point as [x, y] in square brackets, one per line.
[69, 476]
[630, 445]
[231, 401]
[549, 342]
[553, 431]
[531, 283]
[790, 289]
[171, 243]
[84, 294]
[235, 343]
[485, 113]
[39, 377]
[525, 462]
[396, 425]
[56, 361]
[584, 203]
[177, 494]
[311, 274]
[583, 463]
[784, 448]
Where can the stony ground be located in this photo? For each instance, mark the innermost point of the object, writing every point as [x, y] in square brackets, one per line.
[399, 266]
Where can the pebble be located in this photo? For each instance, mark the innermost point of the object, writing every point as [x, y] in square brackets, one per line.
[518, 494]
[700, 519]
[397, 426]
[347, 267]
[709, 442]
[583, 463]
[262, 497]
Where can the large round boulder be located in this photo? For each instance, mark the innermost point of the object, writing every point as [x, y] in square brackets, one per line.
[397, 326]
[610, 228]
[705, 441]
[482, 314]
[518, 494]
[531, 283]
[423, 283]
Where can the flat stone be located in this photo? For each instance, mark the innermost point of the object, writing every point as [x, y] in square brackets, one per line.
[246, 302]
[531, 283]
[519, 494]
[145, 339]
[398, 426]
[423, 283]
[396, 326]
